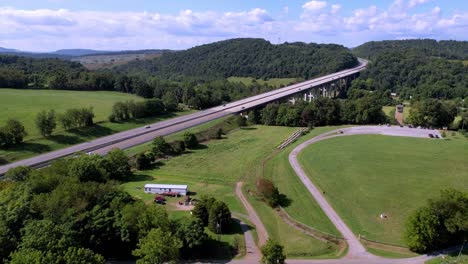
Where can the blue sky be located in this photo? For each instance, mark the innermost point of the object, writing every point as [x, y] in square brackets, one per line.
[141, 24]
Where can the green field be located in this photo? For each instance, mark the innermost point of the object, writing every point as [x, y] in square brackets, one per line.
[275, 82]
[364, 176]
[217, 166]
[280, 171]
[24, 105]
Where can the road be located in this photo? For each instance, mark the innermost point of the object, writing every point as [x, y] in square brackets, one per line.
[141, 135]
[356, 251]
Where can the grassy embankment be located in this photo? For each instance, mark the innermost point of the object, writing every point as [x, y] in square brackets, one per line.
[217, 166]
[23, 105]
[364, 176]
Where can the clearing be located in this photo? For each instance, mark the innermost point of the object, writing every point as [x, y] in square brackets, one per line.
[214, 170]
[366, 175]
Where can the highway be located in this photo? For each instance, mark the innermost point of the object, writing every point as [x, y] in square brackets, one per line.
[141, 135]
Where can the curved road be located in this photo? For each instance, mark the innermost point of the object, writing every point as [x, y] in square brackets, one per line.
[141, 135]
[356, 251]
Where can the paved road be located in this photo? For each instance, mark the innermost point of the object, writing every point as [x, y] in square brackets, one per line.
[141, 135]
[356, 251]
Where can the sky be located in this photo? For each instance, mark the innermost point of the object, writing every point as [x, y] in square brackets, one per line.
[47, 25]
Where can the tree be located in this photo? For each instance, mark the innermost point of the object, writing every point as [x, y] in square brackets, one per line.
[170, 101]
[158, 247]
[88, 168]
[190, 140]
[439, 224]
[12, 133]
[202, 209]
[191, 232]
[19, 173]
[432, 113]
[142, 161]
[160, 147]
[219, 217]
[272, 253]
[117, 165]
[268, 191]
[46, 122]
[82, 255]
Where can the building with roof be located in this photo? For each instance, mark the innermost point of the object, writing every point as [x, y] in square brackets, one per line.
[166, 189]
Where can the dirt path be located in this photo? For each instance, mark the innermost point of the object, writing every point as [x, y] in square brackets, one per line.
[261, 231]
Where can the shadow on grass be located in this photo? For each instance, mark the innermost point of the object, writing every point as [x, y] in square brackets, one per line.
[95, 131]
[284, 201]
[3, 161]
[212, 249]
[248, 128]
[30, 147]
[140, 177]
[64, 139]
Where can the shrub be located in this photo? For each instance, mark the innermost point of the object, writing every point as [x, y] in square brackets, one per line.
[190, 140]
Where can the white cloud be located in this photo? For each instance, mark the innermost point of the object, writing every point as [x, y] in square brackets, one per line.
[320, 21]
[314, 6]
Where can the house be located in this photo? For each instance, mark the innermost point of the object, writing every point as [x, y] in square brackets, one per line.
[166, 189]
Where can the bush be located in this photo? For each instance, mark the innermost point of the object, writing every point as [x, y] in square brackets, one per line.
[142, 161]
[190, 140]
[20, 173]
[268, 192]
[46, 122]
[160, 147]
[272, 253]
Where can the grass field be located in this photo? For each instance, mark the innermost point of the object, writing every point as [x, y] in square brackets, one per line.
[280, 171]
[364, 176]
[275, 82]
[24, 105]
[215, 168]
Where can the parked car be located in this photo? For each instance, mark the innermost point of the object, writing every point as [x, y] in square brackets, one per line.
[431, 136]
[148, 126]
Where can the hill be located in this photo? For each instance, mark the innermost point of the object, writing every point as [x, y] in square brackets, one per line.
[448, 49]
[247, 57]
[7, 50]
[415, 68]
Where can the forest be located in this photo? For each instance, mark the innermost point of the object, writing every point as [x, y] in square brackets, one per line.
[248, 58]
[415, 69]
[448, 49]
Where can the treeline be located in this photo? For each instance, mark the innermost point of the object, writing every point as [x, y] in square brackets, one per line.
[449, 49]
[74, 211]
[247, 57]
[323, 112]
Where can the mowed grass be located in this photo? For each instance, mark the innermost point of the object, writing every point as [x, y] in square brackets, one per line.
[217, 165]
[214, 170]
[275, 82]
[366, 175]
[296, 244]
[24, 105]
[303, 206]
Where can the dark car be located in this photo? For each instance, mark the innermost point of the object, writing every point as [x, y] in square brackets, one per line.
[431, 136]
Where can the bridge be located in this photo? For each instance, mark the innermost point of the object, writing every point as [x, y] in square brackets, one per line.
[331, 85]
